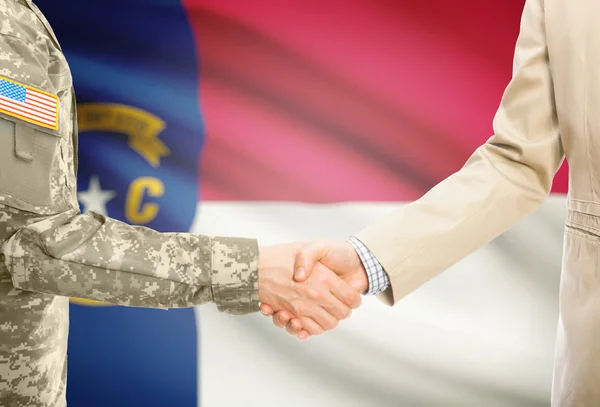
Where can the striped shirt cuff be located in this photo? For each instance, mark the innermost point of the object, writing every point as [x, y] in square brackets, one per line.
[378, 278]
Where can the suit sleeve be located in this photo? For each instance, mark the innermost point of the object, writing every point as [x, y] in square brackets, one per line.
[93, 257]
[504, 180]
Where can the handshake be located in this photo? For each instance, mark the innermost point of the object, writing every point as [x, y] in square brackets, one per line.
[309, 287]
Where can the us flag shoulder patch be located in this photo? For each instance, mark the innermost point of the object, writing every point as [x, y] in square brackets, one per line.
[28, 104]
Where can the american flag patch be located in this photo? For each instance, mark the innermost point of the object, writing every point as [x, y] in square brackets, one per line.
[29, 104]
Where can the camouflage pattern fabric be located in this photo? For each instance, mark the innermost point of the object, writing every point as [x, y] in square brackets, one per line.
[50, 251]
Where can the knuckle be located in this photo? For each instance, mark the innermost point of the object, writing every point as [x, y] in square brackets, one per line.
[313, 294]
[298, 307]
[351, 298]
[322, 277]
[312, 330]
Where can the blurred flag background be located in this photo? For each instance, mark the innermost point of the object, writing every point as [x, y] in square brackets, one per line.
[297, 120]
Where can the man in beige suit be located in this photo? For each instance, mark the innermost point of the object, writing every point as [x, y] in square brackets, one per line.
[550, 109]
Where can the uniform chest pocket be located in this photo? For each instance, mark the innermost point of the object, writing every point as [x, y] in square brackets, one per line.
[29, 157]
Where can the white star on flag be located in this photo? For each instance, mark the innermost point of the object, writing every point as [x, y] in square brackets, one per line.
[95, 199]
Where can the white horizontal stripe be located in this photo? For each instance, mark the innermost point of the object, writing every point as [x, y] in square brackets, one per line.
[25, 110]
[11, 108]
[480, 334]
[33, 105]
[51, 113]
[44, 107]
[41, 96]
[41, 105]
[26, 115]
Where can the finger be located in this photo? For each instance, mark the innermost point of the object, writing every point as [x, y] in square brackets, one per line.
[323, 318]
[294, 327]
[306, 259]
[336, 308]
[339, 297]
[344, 292]
[281, 318]
[266, 310]
[311, 327]
[303, 335]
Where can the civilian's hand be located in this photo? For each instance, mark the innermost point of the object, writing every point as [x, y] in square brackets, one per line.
[339, 257]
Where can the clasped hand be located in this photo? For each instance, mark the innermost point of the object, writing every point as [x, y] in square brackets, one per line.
[309, 288]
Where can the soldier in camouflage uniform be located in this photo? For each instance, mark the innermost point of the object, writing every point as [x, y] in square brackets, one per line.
[50, 251]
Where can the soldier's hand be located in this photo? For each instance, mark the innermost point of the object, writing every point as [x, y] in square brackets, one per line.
[318, 303]
[338, 256]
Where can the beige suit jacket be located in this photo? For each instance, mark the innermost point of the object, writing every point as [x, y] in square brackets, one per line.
[550, 109]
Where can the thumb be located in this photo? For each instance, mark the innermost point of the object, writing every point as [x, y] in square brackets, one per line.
[360, 283]
[306, 259]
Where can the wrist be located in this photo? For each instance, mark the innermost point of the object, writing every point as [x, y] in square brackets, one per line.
[275, 270]
[263, 274]
[362, 279]
[234, 269]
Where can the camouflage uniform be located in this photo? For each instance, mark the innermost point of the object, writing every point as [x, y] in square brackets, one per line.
[50, 251]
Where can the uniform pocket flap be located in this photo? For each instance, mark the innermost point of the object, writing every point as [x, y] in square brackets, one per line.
[24, 141]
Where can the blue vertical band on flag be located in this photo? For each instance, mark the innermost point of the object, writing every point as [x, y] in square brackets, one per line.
[135, 72]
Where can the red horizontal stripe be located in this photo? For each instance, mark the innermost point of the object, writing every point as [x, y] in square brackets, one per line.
[42, 108]
[43, 101]
[33, 106]
[41, 95]
[22, 109]
[25, 117]
[11, 107]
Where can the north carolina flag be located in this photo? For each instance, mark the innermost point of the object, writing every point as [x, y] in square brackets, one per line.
[299, 120]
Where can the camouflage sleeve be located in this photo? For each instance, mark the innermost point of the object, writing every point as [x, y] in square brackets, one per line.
[60, 251]
[93, 257]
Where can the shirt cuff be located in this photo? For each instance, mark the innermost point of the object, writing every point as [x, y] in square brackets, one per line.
[378, 278]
